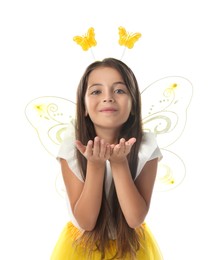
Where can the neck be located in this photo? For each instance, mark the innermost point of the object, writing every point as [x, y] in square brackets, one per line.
[109, 135]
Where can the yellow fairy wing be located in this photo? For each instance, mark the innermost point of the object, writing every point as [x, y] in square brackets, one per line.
[128, 39]
[50, 117]
[166, 102]
[86, 41]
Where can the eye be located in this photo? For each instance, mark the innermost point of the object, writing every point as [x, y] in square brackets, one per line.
[119, 91]
[95, 92]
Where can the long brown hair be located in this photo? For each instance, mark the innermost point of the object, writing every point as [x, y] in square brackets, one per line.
[127, 241]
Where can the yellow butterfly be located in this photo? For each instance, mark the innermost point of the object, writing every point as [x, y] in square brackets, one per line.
[128, 39]
[86, 41]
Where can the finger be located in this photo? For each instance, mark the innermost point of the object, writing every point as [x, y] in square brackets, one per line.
[80, 146]
[122, 145]
[89, 148]
[131, 141]
[102, 150]
[96, 146]
[129, 144]
[116, 149]
[107, 152]
[112, 146]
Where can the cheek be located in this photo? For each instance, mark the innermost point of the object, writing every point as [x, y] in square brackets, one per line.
[86, 106]
[129, 105]
[127, 109]
[90, 106]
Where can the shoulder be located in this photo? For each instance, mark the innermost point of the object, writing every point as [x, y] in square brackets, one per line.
[67, 145]
[148, 150]
[149, 138]
[67, 151]
[148, 144]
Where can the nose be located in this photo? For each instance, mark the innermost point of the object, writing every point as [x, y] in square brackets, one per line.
[108, 97]
[109, 100]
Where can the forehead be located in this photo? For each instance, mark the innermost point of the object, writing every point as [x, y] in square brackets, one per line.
[104, 74]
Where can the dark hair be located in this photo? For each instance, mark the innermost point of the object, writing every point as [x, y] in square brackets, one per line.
[127, 238]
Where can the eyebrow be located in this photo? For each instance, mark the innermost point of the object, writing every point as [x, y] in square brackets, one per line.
[100, 84]
[94, 85]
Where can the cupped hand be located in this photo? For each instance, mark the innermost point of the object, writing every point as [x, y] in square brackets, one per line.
[120, 151]
[96, 151]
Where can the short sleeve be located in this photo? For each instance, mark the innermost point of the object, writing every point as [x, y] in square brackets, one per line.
[67, 151]
[156, 154]
[149, 150]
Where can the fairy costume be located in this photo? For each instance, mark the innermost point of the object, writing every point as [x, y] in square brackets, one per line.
[64, 249]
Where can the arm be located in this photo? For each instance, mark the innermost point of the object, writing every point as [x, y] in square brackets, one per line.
[134, 197]
[85, 198]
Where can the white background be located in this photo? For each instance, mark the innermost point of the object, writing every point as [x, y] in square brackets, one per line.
[39, 58]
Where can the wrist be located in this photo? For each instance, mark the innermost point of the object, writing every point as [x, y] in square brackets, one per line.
[96, 166]
[119, 163]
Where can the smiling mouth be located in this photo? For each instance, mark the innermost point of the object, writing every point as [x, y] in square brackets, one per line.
[108, 110]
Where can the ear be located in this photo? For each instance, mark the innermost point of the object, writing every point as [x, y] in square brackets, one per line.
[86, 113]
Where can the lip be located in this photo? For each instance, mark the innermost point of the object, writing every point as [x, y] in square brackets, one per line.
[108, 109]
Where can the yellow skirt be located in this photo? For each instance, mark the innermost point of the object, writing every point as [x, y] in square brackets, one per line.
[64, 249]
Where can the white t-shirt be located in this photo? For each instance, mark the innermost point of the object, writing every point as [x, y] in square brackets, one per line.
[148, 151]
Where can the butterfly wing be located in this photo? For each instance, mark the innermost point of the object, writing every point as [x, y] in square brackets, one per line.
[122, 36]
[87, 41]
[127, 39]
[50, 116]
[132, 40]
[91, 37]
[164, 109]
[80, 40]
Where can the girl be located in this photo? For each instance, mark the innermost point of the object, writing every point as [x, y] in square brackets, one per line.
[109, 167]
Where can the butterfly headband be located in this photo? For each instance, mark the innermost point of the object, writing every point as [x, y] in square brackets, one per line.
[126, 39]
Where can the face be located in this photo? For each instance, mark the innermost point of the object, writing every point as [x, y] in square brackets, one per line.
[107, 99]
